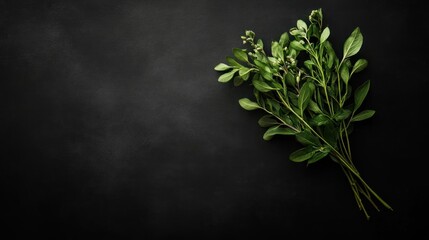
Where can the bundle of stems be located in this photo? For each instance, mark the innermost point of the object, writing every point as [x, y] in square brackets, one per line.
[304, 90]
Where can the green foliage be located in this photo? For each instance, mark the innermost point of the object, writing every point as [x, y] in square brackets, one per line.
[325, 34]
[353, 44]
[305, 90]
[302, 154]
[278, 130]
[248, 104]
[365, 114]
[360, 94]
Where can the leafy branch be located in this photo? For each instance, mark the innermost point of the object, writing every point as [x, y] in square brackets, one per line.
[303, 87]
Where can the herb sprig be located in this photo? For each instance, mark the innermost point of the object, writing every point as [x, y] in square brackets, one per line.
[305, 91]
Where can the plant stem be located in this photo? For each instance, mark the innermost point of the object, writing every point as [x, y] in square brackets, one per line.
[342, 160]
[313, 53]
[356, 191]
[354, 171]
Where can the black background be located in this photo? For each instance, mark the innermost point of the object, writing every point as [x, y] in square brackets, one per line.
[114, 125]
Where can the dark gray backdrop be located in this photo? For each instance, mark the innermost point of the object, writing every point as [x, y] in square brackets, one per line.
[114, 124]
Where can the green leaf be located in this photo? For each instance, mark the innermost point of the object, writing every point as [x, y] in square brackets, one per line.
[353, 43]
[277, 50]
[331, 60]
[331, 54]
[240, 54]
[267, 121]
[307, 138]
[301, 25]
[288, 120]
[324, 35]
[359, 65]
[344, 73]
[290, 79]
[312, 105]
[274, 106]
[231, 61]
[297, 45]
[248, 104]
[360, 94]
[293, 98]
[320, 120]
[330, 133]
[318, 155]
[349, 92]
[293, 120]
[302, 154]
[297, 33]
[262, 86]
[313, 31]
[309, 64]
[348, 63]
[305, 94]
[277, 130]
[276, 85]
[267, 75]
[263, 66]
[244, 73]
[238, 81]
[292, 53]
[264, 69]
[226, 77]
[342, 114]
[365, 114]
[260, 43]
[222, 67]
[260, 57]
[284, 39]
[321, 50]
[273, 61]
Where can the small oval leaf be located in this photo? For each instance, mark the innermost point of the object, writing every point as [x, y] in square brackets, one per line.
[222, 67]
[309, 64]
[360, 94]
[267, 121]
[244, 73]
[302, 154]
[305, 95]
[277, 50]
[248, 104]
[297, 45]
[324, 35]
[320, 120]
[277, 130]
[312, 105]
[290, 78]
[365, 114]
[284, 39]
[226, 77]
[307, 138]
[240, 54]
[359, 65]
[344, 73]
[317, 156]
[231, 61]
[263, 86]
[238, 81]
[342, 114]
[301, 25]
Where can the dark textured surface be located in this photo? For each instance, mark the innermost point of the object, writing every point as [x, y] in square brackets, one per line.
[114, 125]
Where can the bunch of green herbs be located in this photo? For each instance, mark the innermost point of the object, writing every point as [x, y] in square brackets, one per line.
[304, 89]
